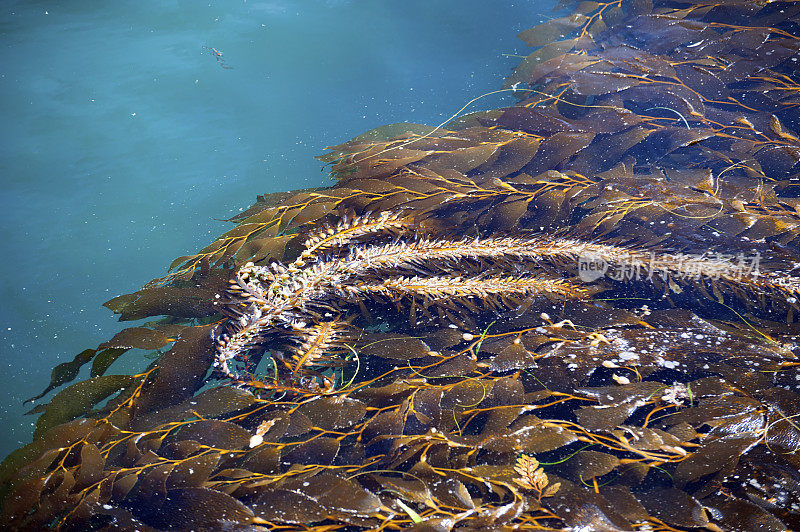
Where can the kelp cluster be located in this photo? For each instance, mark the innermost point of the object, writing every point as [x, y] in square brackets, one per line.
[578, 312]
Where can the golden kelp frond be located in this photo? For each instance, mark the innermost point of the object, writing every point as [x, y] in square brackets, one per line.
[623, 263]
[533, 477]
[645, 185]
[437, 287]
[346, 232]
[447, 274]
[313, 341]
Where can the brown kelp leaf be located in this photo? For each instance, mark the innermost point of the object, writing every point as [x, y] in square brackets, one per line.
[196, 301]
[382, 164]
[647, 439]
[509, 158]
[65, 372]
[269, 221]
[21, 502]
[531, 435]
[604, 417]
[36, 457]
[664, 141]
[317, 451]
[624, 502]
[33, 468]
[56, 494]
[387, 132]
[500, 418]
[310, 213]
[201, 509]
[458, 366]
[727, 414]
[238, 234]
[675, 507]
[211, 402]
[103, 512]
[78, 399]
[180, 450]
[277, 424]
[552, 30]
[258, 249]
[630, 393]
[777, 161]
[555, 149]
[780, 130]
[583, 466]
[451, 492]
[349, 497]
[547, 59]
[595, 83]
[192, 472]
[397, 347]
[507, 391]
[298, 424]
[331, 413]
[186, 363]
[103, 360]
[537, 121]
[263, 459]
[286, 506]
[720, 454]
[506, 215]
[219, 400]
[580, 507]
[678, 98]
[511, 354]
[138, 338]
[466, 394]
[560, 63]
[214, 433]
[123, 484]
[386, 423]
[150, 489]
[91, 467]
[427, 407]
[614, 120]
[742, 515]
[606, 150]
[409, 489]
[462, 160]
[703, 81]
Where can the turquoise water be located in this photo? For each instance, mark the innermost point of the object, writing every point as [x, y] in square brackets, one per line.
[125, 140]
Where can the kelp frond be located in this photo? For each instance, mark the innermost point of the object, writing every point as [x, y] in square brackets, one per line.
[347, 231]
[435, 288]
[267, 300]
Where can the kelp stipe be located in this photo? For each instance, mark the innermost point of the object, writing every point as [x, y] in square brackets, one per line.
[579, 311]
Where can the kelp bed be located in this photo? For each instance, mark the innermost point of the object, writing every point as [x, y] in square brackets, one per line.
[578, 312]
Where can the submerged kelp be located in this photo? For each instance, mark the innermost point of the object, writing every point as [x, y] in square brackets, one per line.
[579, 311]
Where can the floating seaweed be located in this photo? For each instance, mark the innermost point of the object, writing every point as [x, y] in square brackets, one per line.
[577, 312]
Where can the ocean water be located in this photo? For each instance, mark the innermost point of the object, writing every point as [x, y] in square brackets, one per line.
[129, 130]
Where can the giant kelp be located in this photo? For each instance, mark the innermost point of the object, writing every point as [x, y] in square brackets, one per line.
[578, 311]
